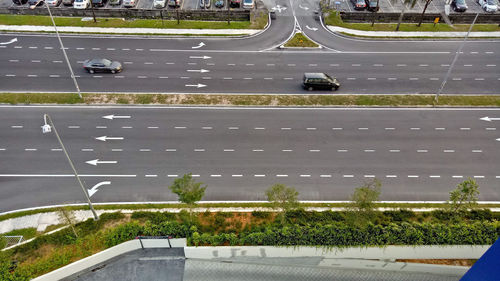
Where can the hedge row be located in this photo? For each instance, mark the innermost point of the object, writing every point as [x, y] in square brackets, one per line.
[334, 234]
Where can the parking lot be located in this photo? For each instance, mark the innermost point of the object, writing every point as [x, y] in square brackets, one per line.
[389, 6]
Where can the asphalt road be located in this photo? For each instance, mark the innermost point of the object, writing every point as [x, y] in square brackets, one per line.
[418, 154]
[251, 65]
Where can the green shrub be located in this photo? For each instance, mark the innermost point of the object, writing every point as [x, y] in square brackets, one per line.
[400, 215]
[481, 215]
[154, 217]
[261, 215]
[122, 233]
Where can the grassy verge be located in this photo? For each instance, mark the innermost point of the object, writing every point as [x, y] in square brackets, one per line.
[333, 19]
[299, 40]
[118, 22]
[250, 100]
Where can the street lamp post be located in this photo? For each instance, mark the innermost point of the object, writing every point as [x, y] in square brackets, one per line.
[62, 47]
[47, 128]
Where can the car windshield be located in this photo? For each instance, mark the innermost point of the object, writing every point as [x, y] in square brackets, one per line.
[78, 0]
[247, 1]
[460, 2]
[491, 2]
[360, 2]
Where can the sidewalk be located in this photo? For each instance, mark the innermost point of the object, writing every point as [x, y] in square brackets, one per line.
[495, 34]
[145, 31]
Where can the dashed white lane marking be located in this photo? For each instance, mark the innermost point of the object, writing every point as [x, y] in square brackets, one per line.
[448, 151]
[144, 150]
[259, 128]
[228, 150]
[195, 176]
[477, 151]
[457, 177]
[192, 63]
[445, 65]
[291, 64]
[125, 49]
[35, 61]
[491, 129]
[355, 64]
[489, 52]
[128, 62]
[151, 176]
[434, 176]
[127, 127]
[257, 150]
[371, 78]
[139, 50]
[268, 78]
[57, 76]
[101, 127]
[288, 78]
[413, 176]
[96, 49]
[199, 149]
[231, 64]
[415, 129]
[337, 129]
[259, 176]
[392, 78]
[310, 129]
[351, 78]
[233, 128]
[286, 128]
[465, 129]
[491, 65]
[479, 177]
[342, 150]
[207, 128]
[498, 177]
[369, 150]
[153, 127]
[87, 149]
[206, 78]
[467, 65]
[433, 78]
[479, 79]
[30, 149]
[313, 64]
[110, 49]
[16, 127]
[378, 64]
[394, 150]
[391, 176]
[171, 149]
[369, 176]
[13, 60]
[413, 78]
[325, 176]
[18, 47]
[401, 64]
[247, 78]
[227, 78]
[439, 129]
[170, 63]
[184, 77]
[270, 64]
[348, 176]
[172, 176]
[73, 127]
[116, 150]
[141, 77]
[79, 48]
[281, 176]
[249, 64]
[119, 76]
[32, 75]
[305, 176]
[211, 64]
[314, 150]
[334, 64]
[423, 65]
[422, 150]
[10, 75]
[50, 48]
[362, 129]
[3, 149]
[57, 61]
[97, 76]
[163, 77]
[236, 176]
[179, 127]
[389, 129]
[215, 176]
[456, 79]
[474, 52]
[287, 150]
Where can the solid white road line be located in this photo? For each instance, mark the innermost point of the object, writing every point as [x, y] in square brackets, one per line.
[64, 176]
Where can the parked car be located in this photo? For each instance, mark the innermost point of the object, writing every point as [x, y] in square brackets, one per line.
[320, 81]
[202, 4]
[115, 2]
[35, 2]
[174, 3]
[81, 4]
[53, 3]
[359, 4]
[234, 3]
[219, 4]
[19, 2]
[207, 4]
[489, 6]
[159, 4]
[99, 3]
[459, 5]
[248, 4]
[68, 2]
[372, 5]
[102, 65]
[129, 3]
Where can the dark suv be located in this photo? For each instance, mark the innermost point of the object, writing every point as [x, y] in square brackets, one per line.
[359, 4]
[320, 81]
[372, 5]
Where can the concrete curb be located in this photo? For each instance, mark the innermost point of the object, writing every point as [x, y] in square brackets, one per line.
[408, 34]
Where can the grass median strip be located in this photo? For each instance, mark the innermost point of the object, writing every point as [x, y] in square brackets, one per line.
[299, 40]
[122, 23]
[251, 100]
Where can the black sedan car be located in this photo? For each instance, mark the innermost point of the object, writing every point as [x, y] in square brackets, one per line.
[35, 2]
[102, 65]
[459, 5]
[99, 3]
[19, 2]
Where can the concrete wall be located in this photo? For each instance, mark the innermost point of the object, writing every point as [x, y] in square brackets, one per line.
[415, 17]
[215, 15]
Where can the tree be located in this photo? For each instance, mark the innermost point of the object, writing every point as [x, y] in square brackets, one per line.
[464, 196]
[67, 217]
[188, 190]
[427, 2]
[363, 201]
[283, 198]
[412, 4]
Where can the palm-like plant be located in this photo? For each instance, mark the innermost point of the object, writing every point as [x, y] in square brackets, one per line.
[406, 3]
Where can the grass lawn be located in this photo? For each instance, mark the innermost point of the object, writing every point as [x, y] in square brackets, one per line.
[118, 22]
[299, 40]
[334, 19]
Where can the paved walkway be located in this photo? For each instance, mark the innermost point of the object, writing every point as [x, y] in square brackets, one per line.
[411, 33]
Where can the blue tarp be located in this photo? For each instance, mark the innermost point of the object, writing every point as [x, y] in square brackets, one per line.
[487, 268]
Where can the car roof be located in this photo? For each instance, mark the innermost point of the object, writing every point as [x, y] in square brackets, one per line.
[314, 75]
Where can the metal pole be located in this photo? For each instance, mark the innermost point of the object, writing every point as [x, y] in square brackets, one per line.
[455, 59]
[47, 117]
[64, 52]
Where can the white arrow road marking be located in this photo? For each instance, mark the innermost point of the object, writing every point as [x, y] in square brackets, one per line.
[199, 46]
[97, 161]
[197, 57]
[196, 85]
[278, 8]
[198, 70]
[112, 116]
[105, 138]
[94, 189]
[9, 42]
[498, 139]
[303, 8]
[489, 119]
[311, 28]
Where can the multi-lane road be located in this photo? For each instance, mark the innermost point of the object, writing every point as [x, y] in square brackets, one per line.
[251, 65]
[418, 154]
